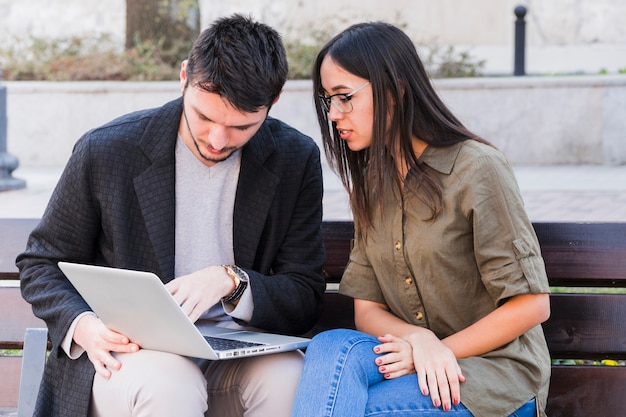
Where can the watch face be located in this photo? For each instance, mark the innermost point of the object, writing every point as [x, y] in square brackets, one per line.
[241, 274]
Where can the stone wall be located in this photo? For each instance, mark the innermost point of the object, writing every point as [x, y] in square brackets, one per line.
[533, 120]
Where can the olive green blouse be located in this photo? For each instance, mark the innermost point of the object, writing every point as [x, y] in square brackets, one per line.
[447, 273]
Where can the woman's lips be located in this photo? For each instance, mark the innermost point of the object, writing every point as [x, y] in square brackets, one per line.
[344, 134]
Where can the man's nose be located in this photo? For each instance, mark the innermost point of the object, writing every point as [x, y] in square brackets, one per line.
[218, 138]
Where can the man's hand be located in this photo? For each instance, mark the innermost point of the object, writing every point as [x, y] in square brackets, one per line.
[99, 341]
[200, 290]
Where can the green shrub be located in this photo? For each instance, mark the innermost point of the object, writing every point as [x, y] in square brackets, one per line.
[448, 63]
[79, 59]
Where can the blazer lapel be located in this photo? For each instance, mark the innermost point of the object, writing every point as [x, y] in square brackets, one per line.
[255, 194]
[155, 186]
[157, 200]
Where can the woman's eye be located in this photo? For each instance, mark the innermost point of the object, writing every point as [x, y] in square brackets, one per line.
[344, 99]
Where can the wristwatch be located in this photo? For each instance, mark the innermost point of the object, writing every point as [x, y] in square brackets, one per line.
[240, 278]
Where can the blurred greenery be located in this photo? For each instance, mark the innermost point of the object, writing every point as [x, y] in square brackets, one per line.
[98, 58]
[79, 59]
[449, 63]
[603, 362]
[587, 290]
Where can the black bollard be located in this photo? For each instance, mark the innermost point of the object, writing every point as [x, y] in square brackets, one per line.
[8, 163]
[520, 41]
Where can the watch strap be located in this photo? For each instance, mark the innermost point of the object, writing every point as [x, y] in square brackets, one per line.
[240, 278]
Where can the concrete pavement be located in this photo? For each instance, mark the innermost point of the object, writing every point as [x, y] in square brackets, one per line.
[592, 193]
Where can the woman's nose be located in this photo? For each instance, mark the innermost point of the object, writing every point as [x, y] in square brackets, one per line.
[334, 114]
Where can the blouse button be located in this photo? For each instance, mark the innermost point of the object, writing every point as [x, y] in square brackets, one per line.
[398, 245]
[408, 280]
[419, 315]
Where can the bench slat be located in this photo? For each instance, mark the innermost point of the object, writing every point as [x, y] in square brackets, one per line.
[576, 254]
[587, 326]
[13, 236]
[585, 391]
[16, 315]
[10, 368]
[337, 238]
[338, 312]
[582, 326]
[584, 254]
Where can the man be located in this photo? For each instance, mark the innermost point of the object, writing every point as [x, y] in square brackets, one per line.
[204, 181]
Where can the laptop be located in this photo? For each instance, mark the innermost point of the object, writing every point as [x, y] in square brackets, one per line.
[138, 305]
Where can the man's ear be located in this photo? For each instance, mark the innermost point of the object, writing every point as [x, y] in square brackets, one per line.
[277, 97]
[274, 102]
[183, 75]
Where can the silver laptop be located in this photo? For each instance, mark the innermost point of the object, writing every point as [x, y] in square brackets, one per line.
[138, 305]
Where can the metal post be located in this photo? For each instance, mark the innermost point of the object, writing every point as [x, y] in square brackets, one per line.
[520, 41]
[8, 163]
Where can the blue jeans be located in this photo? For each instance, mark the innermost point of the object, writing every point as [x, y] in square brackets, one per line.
[340, 379]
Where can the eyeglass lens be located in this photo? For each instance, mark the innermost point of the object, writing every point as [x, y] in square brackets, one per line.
[342, 102]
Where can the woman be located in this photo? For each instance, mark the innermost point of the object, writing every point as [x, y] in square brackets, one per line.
[448, 282]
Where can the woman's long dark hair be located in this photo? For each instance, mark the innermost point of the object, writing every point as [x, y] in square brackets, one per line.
[403, 94]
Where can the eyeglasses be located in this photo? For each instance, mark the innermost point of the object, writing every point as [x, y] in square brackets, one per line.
[341, 101]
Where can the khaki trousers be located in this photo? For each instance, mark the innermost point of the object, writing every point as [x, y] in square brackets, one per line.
[154, 384]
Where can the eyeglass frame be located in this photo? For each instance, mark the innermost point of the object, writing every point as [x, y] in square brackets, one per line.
[325, 101]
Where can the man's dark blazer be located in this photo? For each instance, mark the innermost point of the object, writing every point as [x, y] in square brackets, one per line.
[115, 205]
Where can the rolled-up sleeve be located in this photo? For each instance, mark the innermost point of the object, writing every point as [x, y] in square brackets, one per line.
[505, 244]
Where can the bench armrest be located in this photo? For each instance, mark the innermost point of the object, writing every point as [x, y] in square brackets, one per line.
[33, 361]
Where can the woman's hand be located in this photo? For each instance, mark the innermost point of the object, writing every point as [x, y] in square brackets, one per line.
[438, 372]
[396, 357]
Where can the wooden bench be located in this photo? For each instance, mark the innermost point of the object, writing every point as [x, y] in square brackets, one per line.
[583, 326]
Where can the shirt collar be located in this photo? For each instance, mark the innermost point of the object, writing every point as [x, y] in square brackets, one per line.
[441, 159]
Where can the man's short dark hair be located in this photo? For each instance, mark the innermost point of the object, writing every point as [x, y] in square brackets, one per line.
[241, 60]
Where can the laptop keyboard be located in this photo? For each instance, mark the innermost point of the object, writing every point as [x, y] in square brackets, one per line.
[218, 343]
